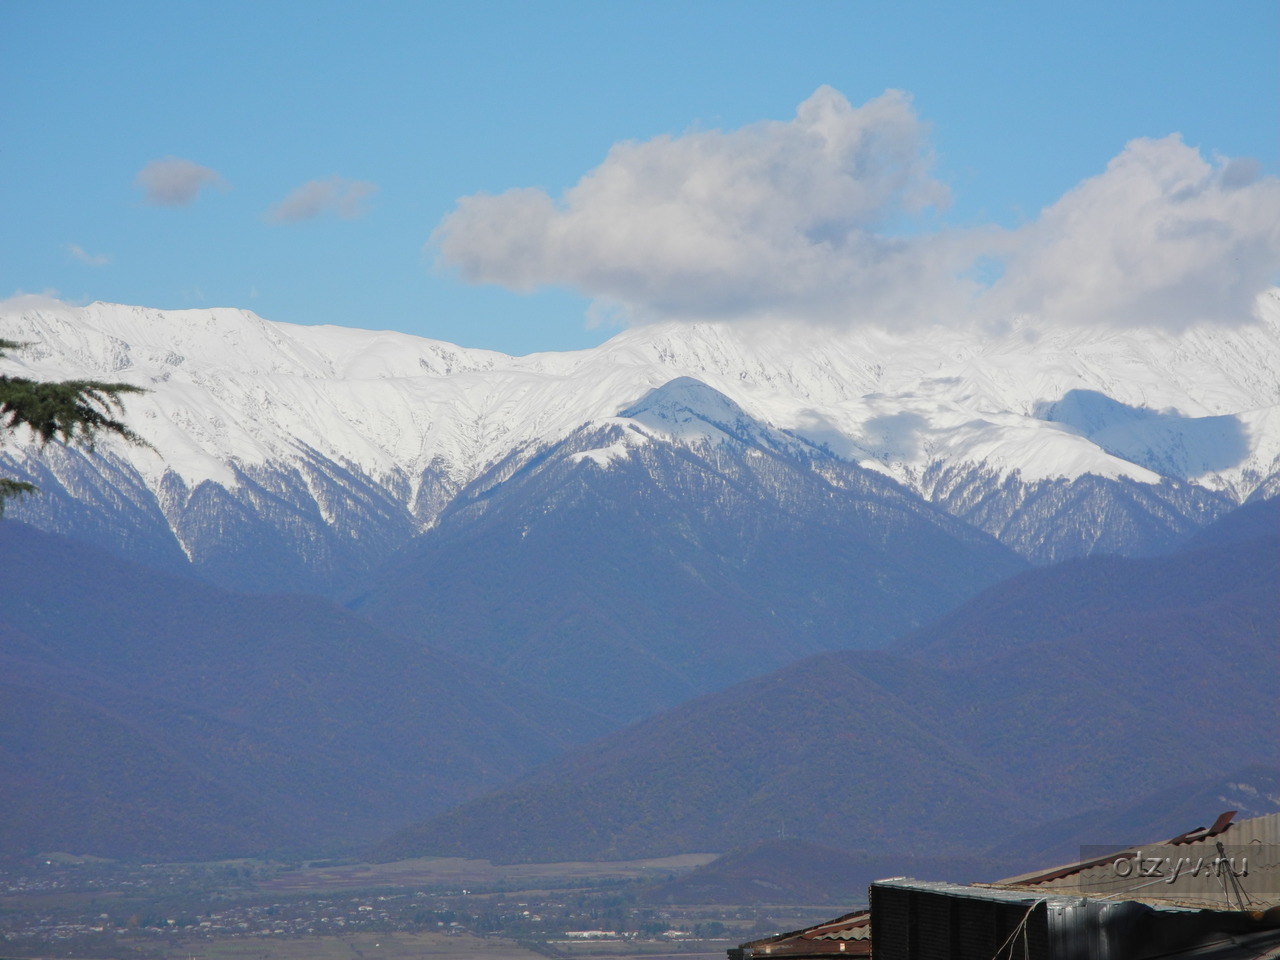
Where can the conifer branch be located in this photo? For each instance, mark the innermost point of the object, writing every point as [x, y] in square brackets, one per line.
[69, 411]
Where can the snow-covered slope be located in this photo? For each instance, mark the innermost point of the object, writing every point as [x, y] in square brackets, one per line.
[339, 428]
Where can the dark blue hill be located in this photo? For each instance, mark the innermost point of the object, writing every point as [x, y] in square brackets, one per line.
[1058, 691]
[153, 716]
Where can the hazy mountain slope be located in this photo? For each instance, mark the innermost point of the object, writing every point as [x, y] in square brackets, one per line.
[1126, 698]
[679, 550]
[290, 457]
[1255, 519]
[1057, 604]
[95, 767]
[815, 750]
[224, 724]
[1028, 704]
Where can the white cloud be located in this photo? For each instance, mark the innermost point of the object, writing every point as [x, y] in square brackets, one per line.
[175, 182]
[1162, 237]
[92, 259]
[344, 197]
[817, 218]
[775, 218]
[21, 301]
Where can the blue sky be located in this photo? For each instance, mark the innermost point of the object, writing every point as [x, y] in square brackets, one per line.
[325, 144]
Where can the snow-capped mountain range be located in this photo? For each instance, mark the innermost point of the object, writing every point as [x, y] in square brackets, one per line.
[347, 442]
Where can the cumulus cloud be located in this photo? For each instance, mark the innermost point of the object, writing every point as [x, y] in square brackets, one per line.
[818, 218]
[774, 218]
[92, 259]
[175, 182]
[343, 197]
[1161, 237]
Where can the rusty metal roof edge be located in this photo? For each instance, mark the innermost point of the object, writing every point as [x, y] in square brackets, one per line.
[1065, 870]
[1220, 825]
[790, 934]
[836, 929]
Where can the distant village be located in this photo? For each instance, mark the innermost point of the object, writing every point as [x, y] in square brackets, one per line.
[96, 908]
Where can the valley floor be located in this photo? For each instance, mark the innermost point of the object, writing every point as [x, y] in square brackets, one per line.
[442, 909]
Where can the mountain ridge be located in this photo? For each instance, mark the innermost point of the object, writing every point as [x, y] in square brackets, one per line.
[342, 445]
[682, 567]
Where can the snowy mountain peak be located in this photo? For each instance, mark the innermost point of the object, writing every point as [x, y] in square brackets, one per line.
[687, 410]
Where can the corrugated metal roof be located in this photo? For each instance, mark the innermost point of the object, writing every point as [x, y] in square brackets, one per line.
[849, 935]
[856, 928]
[1230, 865]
